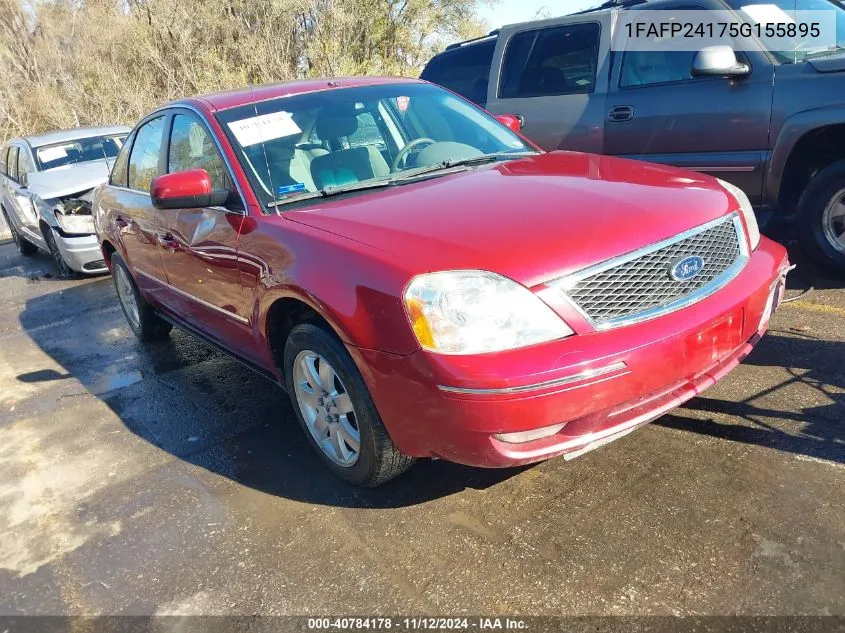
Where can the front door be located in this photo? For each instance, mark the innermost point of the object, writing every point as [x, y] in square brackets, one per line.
[555, 76]
[19, 167]
[657, 111]
[128, 201]
[199, 247]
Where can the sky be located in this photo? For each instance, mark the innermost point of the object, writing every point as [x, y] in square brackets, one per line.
[512, 11]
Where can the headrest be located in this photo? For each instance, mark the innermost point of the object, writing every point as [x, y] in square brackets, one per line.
[276, 152]
[332, 124]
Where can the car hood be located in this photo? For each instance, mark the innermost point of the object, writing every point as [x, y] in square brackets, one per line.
[69, 179]
[531, 219]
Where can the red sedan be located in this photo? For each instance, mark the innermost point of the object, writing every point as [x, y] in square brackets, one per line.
[422, 280]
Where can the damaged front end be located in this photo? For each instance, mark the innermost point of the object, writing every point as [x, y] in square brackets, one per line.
[73, 214]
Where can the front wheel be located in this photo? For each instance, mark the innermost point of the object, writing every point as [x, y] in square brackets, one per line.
[335, 409]
[821, 217]
[56, 254]
[142, 319]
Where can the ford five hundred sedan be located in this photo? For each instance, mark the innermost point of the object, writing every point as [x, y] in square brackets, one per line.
[422, 280]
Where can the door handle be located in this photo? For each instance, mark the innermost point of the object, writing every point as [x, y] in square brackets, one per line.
[621, 113]
[166, 240]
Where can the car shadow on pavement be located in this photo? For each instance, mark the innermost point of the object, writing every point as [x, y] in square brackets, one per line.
[810, 365]
[807, 273]
[202, 407]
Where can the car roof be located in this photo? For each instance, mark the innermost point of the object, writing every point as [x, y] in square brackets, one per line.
[252, 94]
[63, 136]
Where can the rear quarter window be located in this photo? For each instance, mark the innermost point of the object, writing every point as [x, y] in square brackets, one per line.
[559, 60]
[465, 70]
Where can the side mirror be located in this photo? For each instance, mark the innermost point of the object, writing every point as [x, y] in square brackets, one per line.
[718, 61]
[189, 189]
[512, 121]
[23, 180]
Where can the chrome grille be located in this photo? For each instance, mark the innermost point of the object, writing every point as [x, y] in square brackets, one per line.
[638, 286]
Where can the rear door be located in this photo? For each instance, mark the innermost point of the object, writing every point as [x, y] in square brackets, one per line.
[555, 75]
[657, 111]
[199, 247]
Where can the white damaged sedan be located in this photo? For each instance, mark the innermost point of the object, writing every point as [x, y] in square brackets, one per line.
[47, 182]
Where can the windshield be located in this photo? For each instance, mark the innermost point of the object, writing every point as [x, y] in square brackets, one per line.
[341, 138]
[78, 151]
[778, 12]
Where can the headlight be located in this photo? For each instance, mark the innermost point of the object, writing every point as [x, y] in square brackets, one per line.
[75, 224]
[474, 311]
[747, 212]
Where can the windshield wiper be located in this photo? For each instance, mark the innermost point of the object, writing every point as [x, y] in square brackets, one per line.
[328, 192]
[824, 53]
[450, 163]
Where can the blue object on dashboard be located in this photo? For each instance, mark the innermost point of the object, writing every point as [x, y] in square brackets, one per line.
[288, 189]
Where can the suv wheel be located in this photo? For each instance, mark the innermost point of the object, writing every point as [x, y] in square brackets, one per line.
[27, 249]
[55, 253]
[821, 217]
[142, 319]
[335, 409]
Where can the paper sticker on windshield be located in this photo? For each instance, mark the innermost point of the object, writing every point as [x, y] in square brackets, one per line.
[266, 127]
[49, 154]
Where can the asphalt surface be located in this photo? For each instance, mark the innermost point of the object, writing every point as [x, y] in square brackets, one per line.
[168, 479]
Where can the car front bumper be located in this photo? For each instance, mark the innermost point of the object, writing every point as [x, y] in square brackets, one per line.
[602, 385]
[81, 253]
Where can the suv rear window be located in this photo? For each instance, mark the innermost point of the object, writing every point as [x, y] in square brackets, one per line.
[465, 70]
[560, 60]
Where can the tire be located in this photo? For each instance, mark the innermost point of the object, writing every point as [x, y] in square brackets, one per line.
[142, 319]
[818, 221]
[25, 248]
[378, 460]
[56, 254]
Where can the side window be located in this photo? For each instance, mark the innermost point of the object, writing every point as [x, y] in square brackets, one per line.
[191, 147]
[3, 153]
[24, 166]
[643, 68]
[121, 164]
[465, 70]
[13, 163]
[560, 60]
[144, 159]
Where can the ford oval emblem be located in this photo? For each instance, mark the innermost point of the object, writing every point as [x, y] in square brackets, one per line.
[686, 268]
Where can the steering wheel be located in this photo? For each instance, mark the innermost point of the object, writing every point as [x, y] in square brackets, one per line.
[403, 153]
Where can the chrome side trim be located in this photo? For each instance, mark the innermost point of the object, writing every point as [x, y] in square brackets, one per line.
[584, 375]
[202, 302]
[702, 293]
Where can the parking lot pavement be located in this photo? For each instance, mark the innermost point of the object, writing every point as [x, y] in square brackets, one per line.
[168, 479]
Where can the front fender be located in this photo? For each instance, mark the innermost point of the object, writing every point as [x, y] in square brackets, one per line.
[355, 288]
[792, 131]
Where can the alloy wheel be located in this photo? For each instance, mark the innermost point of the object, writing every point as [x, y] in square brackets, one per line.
[833, 221]
[326, 408]
[126, 294]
